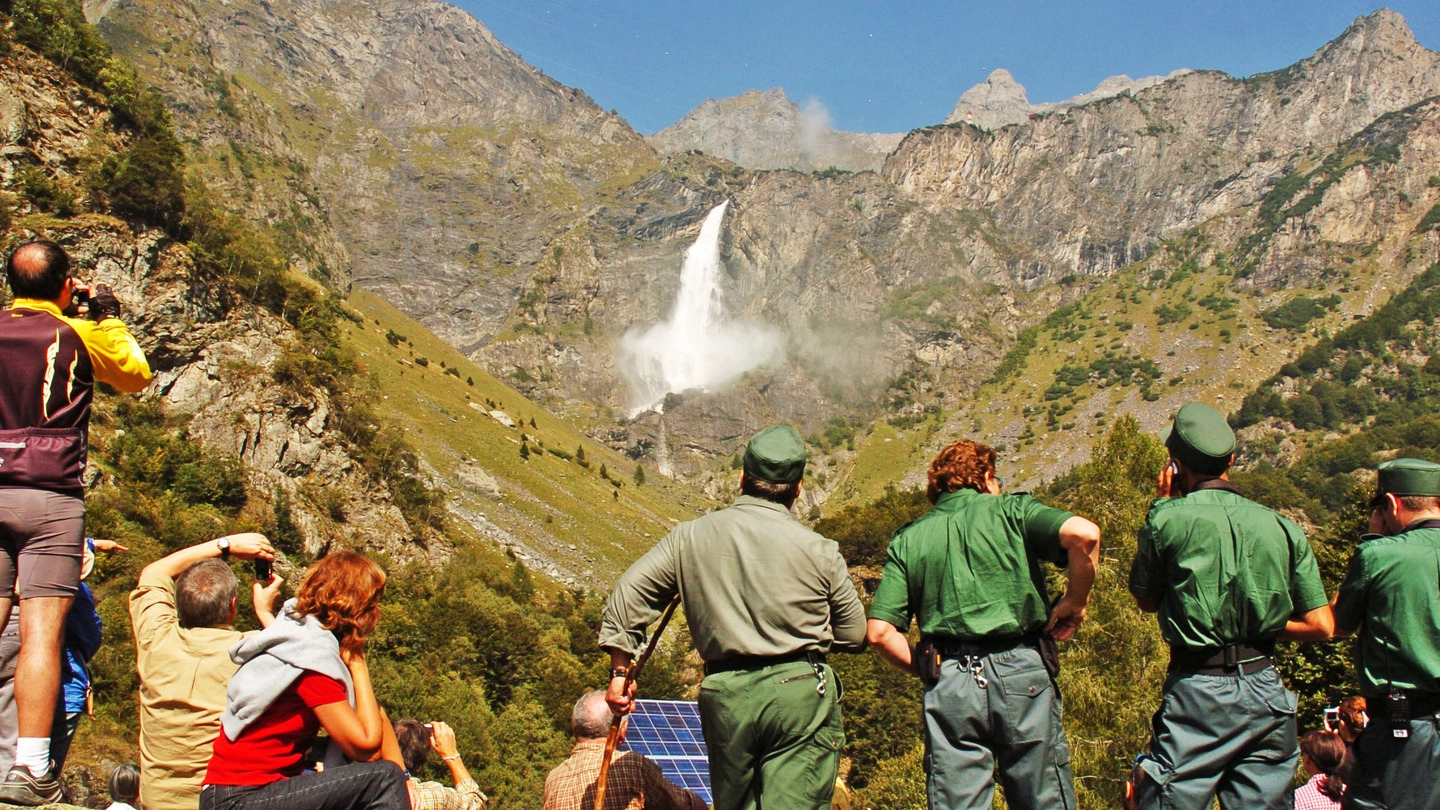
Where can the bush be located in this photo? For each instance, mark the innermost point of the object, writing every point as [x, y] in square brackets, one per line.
[44, 193]
[1295, 314]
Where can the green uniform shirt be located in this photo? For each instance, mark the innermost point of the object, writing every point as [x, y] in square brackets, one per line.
[1391, 597]
[970, 567]
[1227, 570]
[752, 580]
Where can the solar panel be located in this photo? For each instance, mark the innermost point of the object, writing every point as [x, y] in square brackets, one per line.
[668, 732]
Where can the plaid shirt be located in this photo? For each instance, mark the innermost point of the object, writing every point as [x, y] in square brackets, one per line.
[434, 796]
[1309, 797]
[634, 783]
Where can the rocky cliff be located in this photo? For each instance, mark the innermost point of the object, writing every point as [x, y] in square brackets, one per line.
[534, 231]
[440, 161]
[1091, 189]
[766, 130]
[1000, 100]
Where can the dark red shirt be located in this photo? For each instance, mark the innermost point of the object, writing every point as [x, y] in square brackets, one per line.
[274, 745]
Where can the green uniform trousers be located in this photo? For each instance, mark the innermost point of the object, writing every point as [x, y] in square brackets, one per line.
[774, 741]
[1230, 737]
[1392, 774]
[1013, 719]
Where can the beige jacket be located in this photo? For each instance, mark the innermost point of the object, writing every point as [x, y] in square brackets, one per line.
[183, 675]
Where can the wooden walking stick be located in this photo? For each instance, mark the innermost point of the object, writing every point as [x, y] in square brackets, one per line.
[631, 673]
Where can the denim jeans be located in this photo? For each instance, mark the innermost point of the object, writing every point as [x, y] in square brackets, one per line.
[362, 786]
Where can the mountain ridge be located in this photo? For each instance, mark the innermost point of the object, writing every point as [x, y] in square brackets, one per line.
[766, 130]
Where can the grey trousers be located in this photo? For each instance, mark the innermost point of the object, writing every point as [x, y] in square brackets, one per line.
[1393, 774]
[1014, 720]
[1230, 737]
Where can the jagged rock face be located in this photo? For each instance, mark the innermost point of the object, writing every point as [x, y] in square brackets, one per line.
[993, 103]
[1000, 100]
[445, 163]
[766, 130]
[1089, 190]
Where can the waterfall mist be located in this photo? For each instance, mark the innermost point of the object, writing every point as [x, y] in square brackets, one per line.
[696, 348]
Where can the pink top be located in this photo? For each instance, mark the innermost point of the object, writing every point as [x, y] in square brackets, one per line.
[1309, 797]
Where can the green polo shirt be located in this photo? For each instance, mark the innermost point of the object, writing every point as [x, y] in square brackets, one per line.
[970, 567]
[1391, 598]
[1226, 569]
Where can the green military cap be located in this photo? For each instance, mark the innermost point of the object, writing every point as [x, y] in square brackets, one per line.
[1408, 476]
[776, 454]
[1201, 439]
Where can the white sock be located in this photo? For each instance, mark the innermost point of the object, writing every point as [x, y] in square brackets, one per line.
[33, 753]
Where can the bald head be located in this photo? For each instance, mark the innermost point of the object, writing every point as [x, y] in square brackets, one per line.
[38, 270]
[591, 718]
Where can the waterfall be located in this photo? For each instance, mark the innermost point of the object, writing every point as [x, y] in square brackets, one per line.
[696, 349]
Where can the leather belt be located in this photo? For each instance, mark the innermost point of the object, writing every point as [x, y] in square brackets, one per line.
[753, 662]
[1226, 661]
[960, 648]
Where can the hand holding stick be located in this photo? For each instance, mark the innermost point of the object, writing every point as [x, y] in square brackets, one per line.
[631, 673]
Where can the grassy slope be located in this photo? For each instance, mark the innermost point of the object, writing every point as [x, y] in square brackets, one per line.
[555, 509]
[1204, 365]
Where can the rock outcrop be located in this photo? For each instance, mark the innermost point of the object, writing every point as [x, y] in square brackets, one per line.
[766, 130]
[1000, 101]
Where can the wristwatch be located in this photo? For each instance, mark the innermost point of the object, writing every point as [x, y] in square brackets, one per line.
[224, 545]
[619, 672]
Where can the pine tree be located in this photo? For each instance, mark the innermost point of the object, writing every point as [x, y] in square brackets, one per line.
[639, 476]
[580, 452]
[524, 451]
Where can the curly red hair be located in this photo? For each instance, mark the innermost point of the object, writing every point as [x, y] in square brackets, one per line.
[342, 591]
[960, 465]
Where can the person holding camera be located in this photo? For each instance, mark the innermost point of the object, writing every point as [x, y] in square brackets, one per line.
[1390, 600]
[52, 361]
[969, 572]
[182, 611]
[303, 673]
[416, 741]
[1228, 578]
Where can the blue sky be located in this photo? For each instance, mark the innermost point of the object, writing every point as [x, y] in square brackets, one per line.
[892, 66]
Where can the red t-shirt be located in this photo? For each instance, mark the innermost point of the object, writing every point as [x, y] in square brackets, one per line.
[274, 745]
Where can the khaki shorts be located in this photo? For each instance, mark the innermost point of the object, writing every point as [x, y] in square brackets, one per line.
[42, 539]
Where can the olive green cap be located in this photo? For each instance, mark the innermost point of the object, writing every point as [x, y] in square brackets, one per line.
[1408, 476]
[776, 454]
[1201, 439]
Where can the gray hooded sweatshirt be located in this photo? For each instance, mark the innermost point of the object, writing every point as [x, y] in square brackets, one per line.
[273, 659]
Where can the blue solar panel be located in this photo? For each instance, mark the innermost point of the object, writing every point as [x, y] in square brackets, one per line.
[668, 732]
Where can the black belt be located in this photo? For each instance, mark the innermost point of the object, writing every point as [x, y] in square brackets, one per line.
[961, 648]
[1226, 661]
[752, 662]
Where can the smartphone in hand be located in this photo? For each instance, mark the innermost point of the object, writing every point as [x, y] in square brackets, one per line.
[263, 569]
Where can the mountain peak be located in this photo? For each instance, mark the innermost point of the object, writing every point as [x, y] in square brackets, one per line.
[764, 129]
[1383, 33]
[993, 103]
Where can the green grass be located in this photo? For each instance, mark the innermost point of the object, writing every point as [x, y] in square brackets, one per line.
[548, 503]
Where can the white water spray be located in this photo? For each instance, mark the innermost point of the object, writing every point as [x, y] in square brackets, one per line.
[695, 348]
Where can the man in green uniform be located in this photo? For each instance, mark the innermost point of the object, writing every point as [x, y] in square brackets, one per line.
[1229, 578]
[1391, 599]
[766, 599]
[969, 572]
